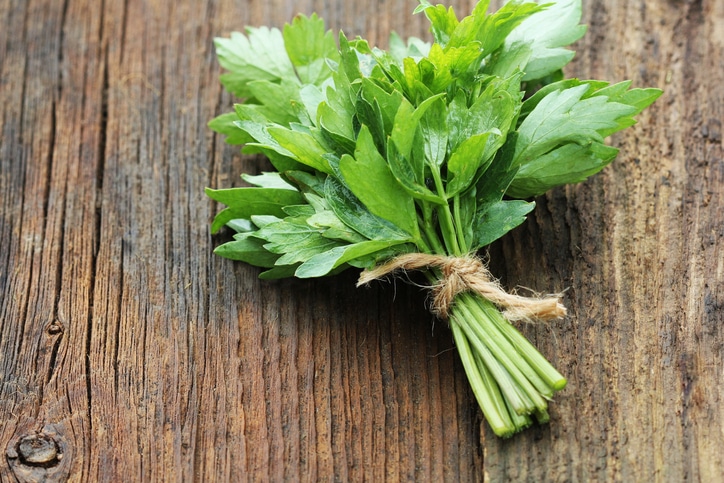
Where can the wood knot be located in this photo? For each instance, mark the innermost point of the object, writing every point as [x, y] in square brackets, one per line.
[55, 327]
[40, 455]
[38, 450]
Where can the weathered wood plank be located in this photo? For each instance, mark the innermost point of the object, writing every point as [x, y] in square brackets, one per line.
[145, 357]
[640, 248]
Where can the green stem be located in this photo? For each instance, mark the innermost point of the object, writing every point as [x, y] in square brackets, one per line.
[511, 380]
[484, 387]
[482, 310]
[523, 347]
[459, 225]
[508, 384]
[506, 354]
[447, 225]
[428, 229]
[422, 244]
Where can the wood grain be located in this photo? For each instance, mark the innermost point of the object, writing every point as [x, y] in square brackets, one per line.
[144, 357]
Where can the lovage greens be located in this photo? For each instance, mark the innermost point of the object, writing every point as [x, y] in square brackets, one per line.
[432, 148]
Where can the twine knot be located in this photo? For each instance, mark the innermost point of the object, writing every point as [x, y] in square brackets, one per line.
[469, 273]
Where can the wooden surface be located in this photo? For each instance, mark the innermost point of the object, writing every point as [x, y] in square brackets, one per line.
[128, 352]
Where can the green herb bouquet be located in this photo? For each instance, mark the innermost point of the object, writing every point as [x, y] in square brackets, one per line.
[414, 159]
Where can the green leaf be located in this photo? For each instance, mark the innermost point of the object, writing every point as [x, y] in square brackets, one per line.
[638, 99]
[256, 125]
[282, 159]
[336, 114]
[268, 180]
[498, 219]
[415, 48]
[489, 222]
[442, 21]
[455, 65]
[308, 182]
[493, 111]
[242, 225]
[370, 116]
[294, 240]
[467, 29]
[488, 29]
[369, 177]
[533, 100]
[407, 122]
[280, 162]
[492, 29]
[351, 58]
[545, 33]
[356, 216]
[284, 271]
[562, 117]
[388, 102]
[248, 249]
[405, 174]
[323, 263]
[259, 55]
[299, 211]
[309, 47]
[246, 202]
[467, 160]
[225, 124]
[393, 71]
[491, 187]
[465, 207]
[303, 147]
[276, 100]
[433, 127]
[332, 227]
[263, 220]
[362, 132]
[571, 163]
[311, 97]
[506, 62]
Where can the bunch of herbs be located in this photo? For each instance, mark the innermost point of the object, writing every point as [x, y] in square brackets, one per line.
[431, 148]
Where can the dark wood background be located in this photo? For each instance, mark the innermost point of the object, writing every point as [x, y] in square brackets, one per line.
[129, 352]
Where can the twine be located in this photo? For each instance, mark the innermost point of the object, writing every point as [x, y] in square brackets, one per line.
[463, 274]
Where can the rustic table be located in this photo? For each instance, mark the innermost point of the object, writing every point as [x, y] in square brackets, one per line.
[129, 352]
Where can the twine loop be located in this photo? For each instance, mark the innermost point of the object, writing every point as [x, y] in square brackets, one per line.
[469, 273]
